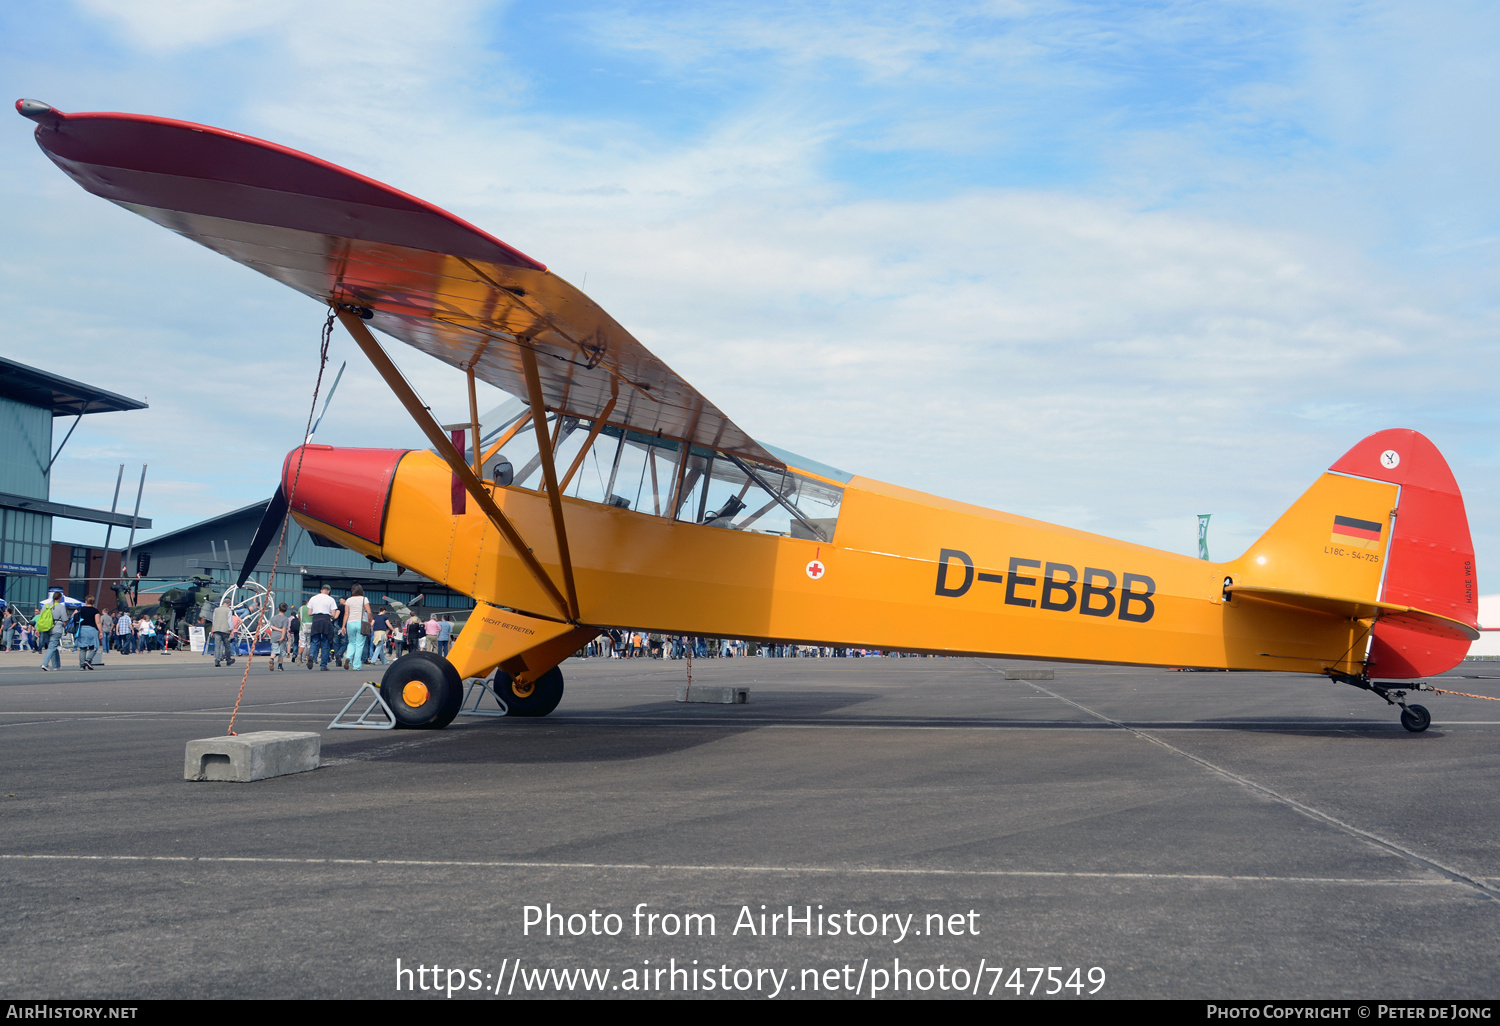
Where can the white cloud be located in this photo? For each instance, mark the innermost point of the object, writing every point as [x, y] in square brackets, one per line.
[166, 25]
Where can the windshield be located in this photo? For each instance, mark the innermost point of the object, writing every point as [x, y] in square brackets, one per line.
[654, 475]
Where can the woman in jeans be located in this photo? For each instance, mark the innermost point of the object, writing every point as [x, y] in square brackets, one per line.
[356, 616]
[87, 643]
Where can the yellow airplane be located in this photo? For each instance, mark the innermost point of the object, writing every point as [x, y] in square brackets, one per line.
[618, 496]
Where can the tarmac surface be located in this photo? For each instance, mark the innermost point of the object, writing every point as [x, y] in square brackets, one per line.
[1181, 835]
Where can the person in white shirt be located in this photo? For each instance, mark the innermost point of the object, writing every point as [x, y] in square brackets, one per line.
[323, 609]
[146, 631]
[357, 619]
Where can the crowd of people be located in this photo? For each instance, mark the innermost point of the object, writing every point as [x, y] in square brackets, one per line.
[625, 644]
[347, 632]
[90, 631]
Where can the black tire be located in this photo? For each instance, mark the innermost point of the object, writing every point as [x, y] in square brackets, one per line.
[542, 699]
[1416, 718]
[437, 704]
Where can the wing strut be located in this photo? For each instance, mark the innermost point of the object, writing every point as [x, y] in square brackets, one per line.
[455, 460]
[474, 416]
[549, 472]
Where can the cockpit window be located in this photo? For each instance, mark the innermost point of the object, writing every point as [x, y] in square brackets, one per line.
[791, 459]
[653, 475]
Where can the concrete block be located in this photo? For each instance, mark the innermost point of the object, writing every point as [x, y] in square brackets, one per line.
[1028, 674]
[714, 695]
[255, 756]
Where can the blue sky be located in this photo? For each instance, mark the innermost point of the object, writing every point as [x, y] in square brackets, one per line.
[1111, 265]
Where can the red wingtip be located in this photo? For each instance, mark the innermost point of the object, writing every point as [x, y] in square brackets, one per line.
[41, 113]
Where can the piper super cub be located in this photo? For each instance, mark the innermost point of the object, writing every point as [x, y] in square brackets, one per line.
[618, 495]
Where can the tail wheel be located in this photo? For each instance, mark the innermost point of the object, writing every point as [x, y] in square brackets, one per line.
[530, 698]
[423, 690]
[1416, 718]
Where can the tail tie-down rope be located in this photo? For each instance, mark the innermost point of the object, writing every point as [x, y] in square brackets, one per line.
[1465, 694]
[327, 338]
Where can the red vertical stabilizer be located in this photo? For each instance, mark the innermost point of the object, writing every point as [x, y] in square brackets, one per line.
[1430, 559]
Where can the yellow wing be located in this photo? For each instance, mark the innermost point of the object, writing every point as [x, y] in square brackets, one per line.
[425, 276]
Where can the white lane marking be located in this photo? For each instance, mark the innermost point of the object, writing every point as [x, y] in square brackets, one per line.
[1428, 881]
[1484, 889]
[711, 720]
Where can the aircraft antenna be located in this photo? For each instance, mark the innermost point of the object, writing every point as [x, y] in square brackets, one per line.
[1203, 535]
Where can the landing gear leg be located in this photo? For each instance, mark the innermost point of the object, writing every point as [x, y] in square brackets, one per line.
[1414, 718]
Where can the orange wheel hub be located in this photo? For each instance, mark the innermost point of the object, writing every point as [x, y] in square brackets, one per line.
[415, 694]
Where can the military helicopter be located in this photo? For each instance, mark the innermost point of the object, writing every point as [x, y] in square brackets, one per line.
[184, 599]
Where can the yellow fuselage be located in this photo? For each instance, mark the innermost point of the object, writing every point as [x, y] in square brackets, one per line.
[904, 571]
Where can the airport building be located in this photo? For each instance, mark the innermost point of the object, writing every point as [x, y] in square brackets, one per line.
[31, 561]
[83, 570]
[31, 402]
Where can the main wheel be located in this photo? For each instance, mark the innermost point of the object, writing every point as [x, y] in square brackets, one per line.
[535, 699]
[423, 690]
[1416, 718]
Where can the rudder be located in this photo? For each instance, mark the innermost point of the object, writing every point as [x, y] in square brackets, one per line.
[1429, 562]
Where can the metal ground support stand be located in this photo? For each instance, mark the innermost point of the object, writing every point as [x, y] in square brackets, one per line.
[477, 688]
[1414, 718]
[363, 722]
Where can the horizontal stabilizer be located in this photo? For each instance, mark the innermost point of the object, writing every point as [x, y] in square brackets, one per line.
[1358, 609]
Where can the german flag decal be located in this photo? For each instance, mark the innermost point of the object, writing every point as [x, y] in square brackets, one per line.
[1362, 534]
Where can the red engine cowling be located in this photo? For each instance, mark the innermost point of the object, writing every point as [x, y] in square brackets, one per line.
[342, 487]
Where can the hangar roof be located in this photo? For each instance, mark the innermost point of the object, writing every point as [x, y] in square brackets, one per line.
[255, 509]
[63, 396]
